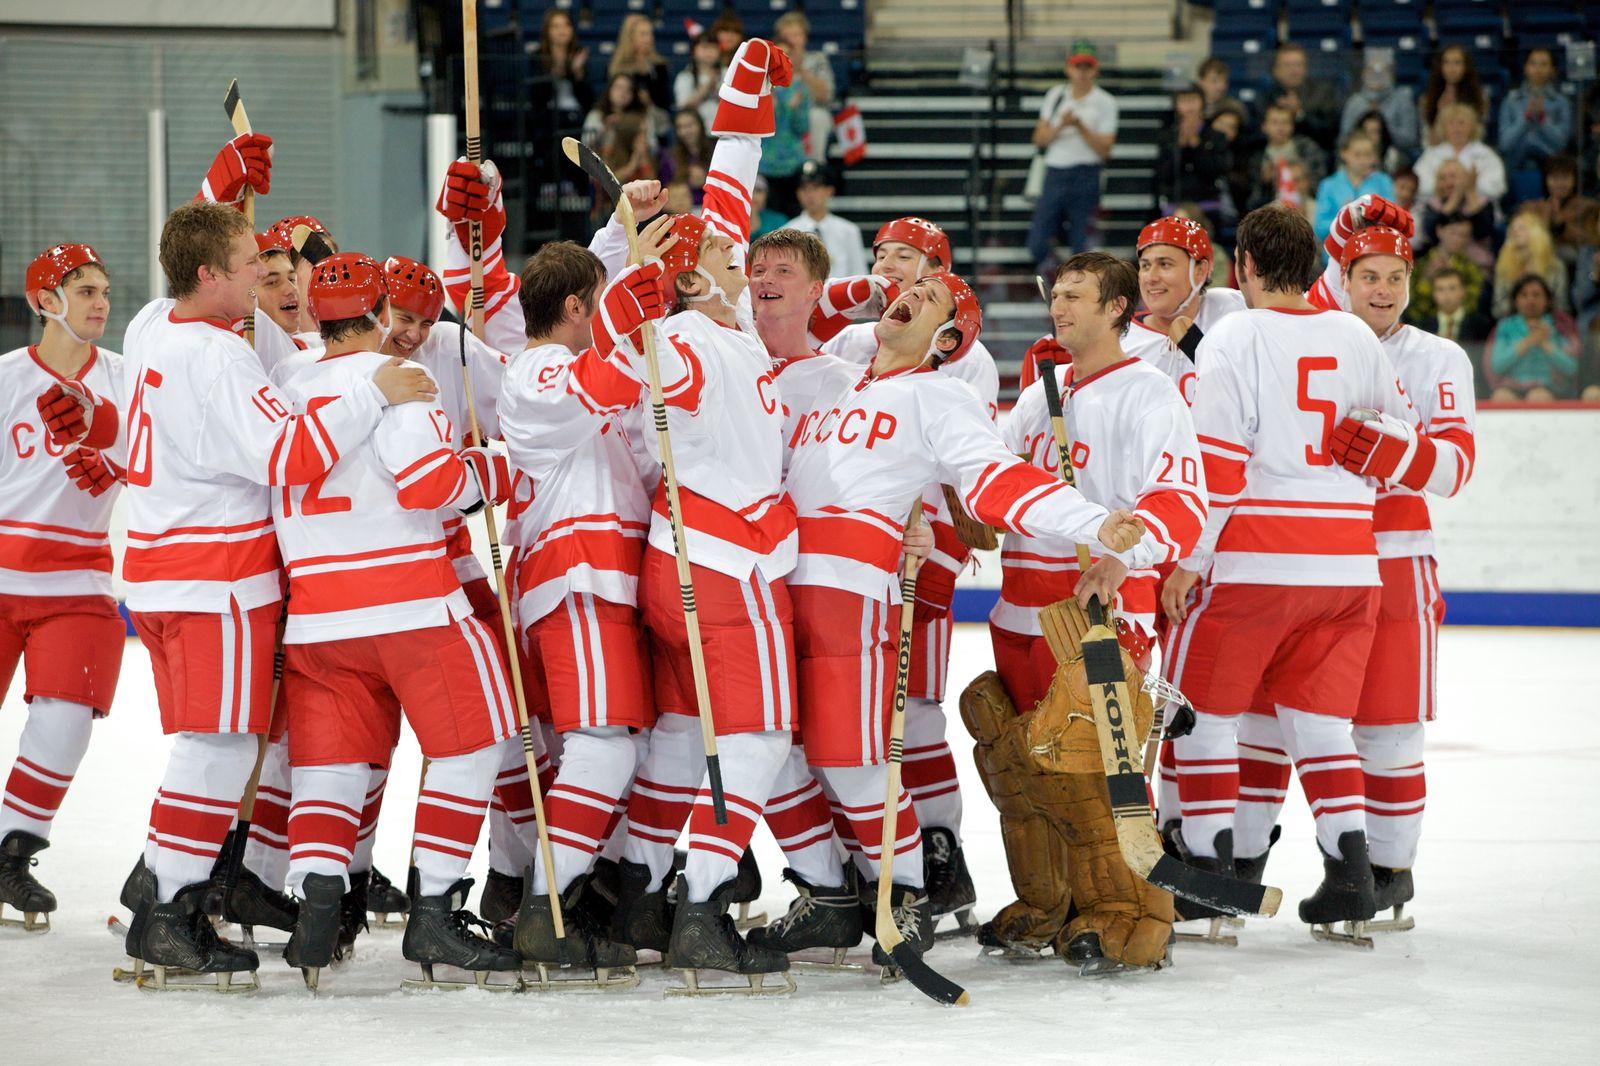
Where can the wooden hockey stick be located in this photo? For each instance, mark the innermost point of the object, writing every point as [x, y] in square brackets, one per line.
[310, 245]
[580, 154]
[469, 37]
[923, 977]
[1137, 838]
[241, 125]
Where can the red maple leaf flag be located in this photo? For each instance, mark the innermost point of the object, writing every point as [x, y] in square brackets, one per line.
[852, 134]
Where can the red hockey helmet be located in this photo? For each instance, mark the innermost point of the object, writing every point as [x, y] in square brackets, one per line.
[924, 236]
[1375, 240]
[53, 264]
[684, 256]
[1183, 233]
[345, 285]
[1136, 642]
[967, 319]
[413, 287]
[273, 240]
[282, 231]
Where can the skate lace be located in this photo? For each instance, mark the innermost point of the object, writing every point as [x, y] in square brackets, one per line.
[802, 906]
[468, 927]
[905, 920]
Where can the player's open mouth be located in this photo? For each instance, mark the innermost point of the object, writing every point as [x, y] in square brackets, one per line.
[769, 295]
[901, 312]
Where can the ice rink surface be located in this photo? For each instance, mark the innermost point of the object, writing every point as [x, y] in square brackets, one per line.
[1500, 968]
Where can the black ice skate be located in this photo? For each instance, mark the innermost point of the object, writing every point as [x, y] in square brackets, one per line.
[704, 939]
[500, 896]
[1393, 889]
[746, 890]
[598, 903]
[587, 957]
[1187, 910]
[19, 889]
[1086, 953]
[1347, 894]
[950, 888]
[249, 903]
[643, 916]
[386, 903]
[912, 917]
[820, 918]
[1253, 870]
[440, 932]
[138, 895]
[315, 941]
[178, 936]
[352, 914]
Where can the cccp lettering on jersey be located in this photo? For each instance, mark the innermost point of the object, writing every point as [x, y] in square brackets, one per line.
[27, 437]
[764, 387]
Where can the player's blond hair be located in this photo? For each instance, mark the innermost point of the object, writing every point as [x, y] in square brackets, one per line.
[806, 247]
[198, 234]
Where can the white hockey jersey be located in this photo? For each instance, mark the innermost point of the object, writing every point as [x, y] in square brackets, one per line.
[1272, 386]
[53, 535]
[207, 434]
[1134, 447]
[861, 462]
[1156, 348]
[803, 386]
[364, 544]
[584, 485]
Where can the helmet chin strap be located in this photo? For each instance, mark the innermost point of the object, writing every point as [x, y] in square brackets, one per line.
[713, 290]
[1195, 285]
[61, 318]
[384, 329]
[933, 354]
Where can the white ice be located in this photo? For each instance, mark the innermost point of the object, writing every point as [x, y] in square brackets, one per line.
[1501, 967]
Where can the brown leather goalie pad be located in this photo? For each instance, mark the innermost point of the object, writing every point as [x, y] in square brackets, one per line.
[1060, 732]
[969, 531]
[1036, 853]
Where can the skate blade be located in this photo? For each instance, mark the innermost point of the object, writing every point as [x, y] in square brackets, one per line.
[744, 921]
[385, 920]
[312, 975]
[1013, 953]
[1213, 935]
[30, 922]
[1352, 934]
[824, 960]
[756, 985]
[1103, 968]
[175, 979]
[1398, 922]
[545, 977]
[478, 979]
[966, 925]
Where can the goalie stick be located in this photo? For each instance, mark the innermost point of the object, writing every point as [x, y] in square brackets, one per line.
[1137, 838]
[591, 164]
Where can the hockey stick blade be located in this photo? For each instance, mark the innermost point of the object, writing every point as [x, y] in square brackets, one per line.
[585, 159]
[925, 978]
[312, 246]
[1130, 798]
[235, 109]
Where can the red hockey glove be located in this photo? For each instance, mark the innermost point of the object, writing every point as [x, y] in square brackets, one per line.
[1043, 348]
[745, 98]
[847, 299]
[1364, 211]
[74, 415]
[492, 473]
[91, 471]
[244, 161]
[1383, 447]
[634, 297]
[469, 191]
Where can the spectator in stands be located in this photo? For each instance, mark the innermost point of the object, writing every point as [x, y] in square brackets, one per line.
[847, 256]
[636, 55]
[1379, 93]
[793, 33]
[763, 219]
[1390, 158]
[1573, 220]
[1453, 318]
[627, 149]
[1230, 122]
[696, 84]
[1192, 158]
[783, 153]
[680, 200]
[1460, 134]
[1455, 196]
[1076, 129]
[1405, 192]
[1315, 103]
[1533, 355]
[728, 32]
[1529, 249]
[1535, 117]
[1357, 176]
[621, 98]
[1453, 252]
[1284, 146]
[1213, 77]
[689, 158]
[567, 93]
[1452, 79]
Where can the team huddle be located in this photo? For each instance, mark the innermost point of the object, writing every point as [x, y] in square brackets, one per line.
[301, 443]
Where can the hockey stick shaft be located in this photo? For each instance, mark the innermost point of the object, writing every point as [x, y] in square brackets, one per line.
[680, 544]
[910, 962]
[469, 36]
[234, 106]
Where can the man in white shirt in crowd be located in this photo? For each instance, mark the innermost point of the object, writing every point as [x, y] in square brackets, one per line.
[846, 252]
[1076, 129]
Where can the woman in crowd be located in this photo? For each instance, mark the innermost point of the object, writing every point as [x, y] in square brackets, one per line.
[696, 84]
[793, 33]
[1456, 196]
[1390, 158]
[636, 55]
[784, 152]
[689, 158]
[1532, 354]
[1528, 250]
[1460, 137]
[1452, 79]
[621, 98]
[564, 62]
[1573, 220]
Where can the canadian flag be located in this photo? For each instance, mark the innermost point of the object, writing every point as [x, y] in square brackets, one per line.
[852, 134]
[1288, 191]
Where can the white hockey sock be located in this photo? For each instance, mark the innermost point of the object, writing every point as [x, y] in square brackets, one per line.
[450, 812]
[371, 806]
[512, 831]
[1207, 761]
[1396, 791]
[929, 769]
[1325, 759]
[750, 763]
[1263, 783]
[324, 820]
[195, 806]
[266, 854]
[52, 744]
[596, 766]
[663, 792]
[1168, 807]
[799, 817]
[856, 794]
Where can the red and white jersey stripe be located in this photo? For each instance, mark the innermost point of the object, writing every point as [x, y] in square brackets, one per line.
[502, 321]
[862, 459]
[1273, 383]
[208, 433]
[364, 545]
[1155, 347]
[584, 484]
[1134, 447]
[53, 536]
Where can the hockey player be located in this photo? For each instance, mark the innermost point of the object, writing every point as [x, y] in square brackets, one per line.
[60, 475]
[1285, 621]
[1133, 447]
[377, 621]
[579, 543]
[207, 434]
